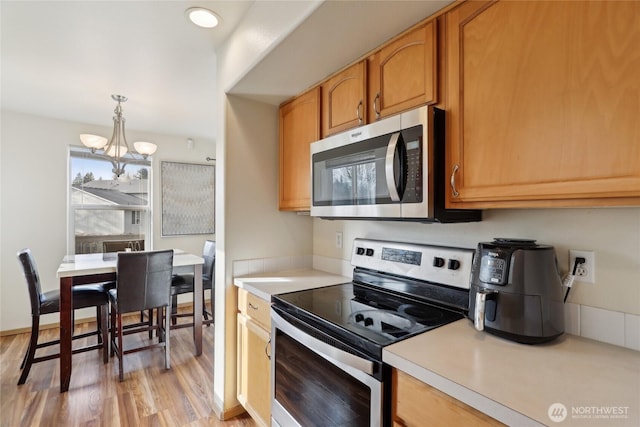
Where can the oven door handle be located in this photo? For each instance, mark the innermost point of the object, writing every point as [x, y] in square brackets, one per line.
[320, 347]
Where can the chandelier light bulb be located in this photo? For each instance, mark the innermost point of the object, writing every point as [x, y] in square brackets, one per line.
[145, 148]
[113, 151]
[95, 142]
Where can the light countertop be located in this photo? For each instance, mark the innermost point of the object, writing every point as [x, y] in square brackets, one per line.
[598, 384]
[264, 285]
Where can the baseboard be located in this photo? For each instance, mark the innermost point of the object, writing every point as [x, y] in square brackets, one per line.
[223, 415]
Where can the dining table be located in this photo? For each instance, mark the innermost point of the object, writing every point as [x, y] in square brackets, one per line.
[101, 267]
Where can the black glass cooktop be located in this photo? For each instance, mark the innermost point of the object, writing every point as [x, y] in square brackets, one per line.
[365, 317]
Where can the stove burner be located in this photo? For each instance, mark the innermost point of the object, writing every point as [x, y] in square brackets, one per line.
[385, 322]
[422, 314]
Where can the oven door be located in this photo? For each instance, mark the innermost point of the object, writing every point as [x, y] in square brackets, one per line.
[317, 384]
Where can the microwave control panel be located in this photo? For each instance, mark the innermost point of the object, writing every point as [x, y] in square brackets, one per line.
[413, 144]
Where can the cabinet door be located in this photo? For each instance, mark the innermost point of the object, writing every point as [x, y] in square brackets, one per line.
[403, 75]
[299, 127]
[417, 404]
[344, 100]
[542, 103]
[254, 370]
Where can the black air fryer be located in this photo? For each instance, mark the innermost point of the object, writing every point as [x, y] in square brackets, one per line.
[516, 291]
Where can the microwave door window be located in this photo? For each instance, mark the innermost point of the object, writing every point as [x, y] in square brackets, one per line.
[342, 185]
[365, 184]
[351, 175]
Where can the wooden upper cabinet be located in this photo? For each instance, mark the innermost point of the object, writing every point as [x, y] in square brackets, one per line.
[542, 103]
[403, 74]
[299, 127]
[344, 102]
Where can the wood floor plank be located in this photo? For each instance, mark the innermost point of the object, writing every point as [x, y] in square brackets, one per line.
[149, 395]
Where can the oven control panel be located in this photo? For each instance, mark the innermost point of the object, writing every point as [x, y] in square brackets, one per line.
[438, 264]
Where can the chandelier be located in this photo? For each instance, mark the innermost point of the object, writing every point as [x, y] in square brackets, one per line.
[117, 149]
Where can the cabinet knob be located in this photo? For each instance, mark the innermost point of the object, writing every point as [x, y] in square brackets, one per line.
[358, 112]
[453, 181]
[255, 307]
[375, 105]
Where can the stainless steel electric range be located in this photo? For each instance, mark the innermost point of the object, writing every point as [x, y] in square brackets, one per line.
[327, 342]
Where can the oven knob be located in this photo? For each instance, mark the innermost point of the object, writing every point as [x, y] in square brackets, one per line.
[368, 321]
[359, 251]
[454, 264]
[359, 317]
[369, 252]
[438, 262]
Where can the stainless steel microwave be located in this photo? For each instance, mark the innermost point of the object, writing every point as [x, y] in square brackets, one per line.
[392, 169]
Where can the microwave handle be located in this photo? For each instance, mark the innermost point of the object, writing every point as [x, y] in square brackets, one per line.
[395, 188]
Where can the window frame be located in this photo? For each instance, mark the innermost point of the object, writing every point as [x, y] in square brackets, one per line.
[78, 152]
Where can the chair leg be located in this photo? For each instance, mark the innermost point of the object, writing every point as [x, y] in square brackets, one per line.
[31, 351]
[167, 340]
[150, 323]
[113, 330]
[174, 309]
[99, 324]
[204, 307]
[104, 332]
[120, 351]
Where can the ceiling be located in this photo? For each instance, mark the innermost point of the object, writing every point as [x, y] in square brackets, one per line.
[64, 59]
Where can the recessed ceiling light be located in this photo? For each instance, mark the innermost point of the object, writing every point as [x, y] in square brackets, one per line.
[202, 17]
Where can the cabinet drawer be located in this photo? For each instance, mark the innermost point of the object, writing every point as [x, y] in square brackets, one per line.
[254, 307]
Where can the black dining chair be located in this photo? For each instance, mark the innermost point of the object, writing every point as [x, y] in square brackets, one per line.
[143, 282]
[182, 284]
[84, 296]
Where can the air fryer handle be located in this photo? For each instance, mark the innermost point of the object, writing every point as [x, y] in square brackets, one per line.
[480, 309]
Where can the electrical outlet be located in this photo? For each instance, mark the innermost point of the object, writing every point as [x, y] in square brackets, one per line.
[585, 273]
[338, 239]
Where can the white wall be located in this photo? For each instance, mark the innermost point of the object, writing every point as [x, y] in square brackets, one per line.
[33, 208]
[254, 227]
[612, 233]
[249, 223]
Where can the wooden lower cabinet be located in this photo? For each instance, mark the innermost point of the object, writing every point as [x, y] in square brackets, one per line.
[416, 404]
[254, 367]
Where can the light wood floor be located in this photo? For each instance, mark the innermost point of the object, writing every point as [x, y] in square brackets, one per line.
[148, 396]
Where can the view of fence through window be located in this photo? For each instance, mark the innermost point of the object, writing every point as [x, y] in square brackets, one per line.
[107, 214]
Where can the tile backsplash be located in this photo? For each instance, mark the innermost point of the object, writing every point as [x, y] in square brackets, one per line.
[271, 265]
[613, 327]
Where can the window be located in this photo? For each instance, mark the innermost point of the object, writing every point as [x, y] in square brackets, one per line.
[107, 214]
[135, 217]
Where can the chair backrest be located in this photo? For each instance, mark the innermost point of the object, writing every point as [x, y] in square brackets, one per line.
[209, 255]
[143, 279]
[33, 279]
